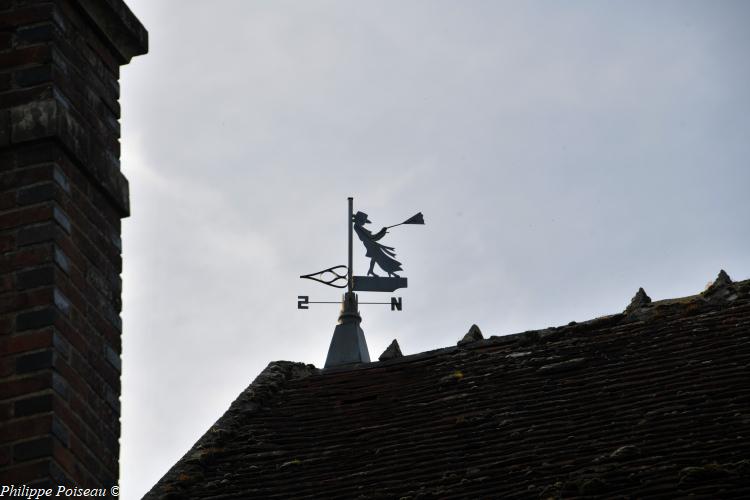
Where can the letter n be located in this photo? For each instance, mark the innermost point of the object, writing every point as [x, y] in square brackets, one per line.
[396, 304]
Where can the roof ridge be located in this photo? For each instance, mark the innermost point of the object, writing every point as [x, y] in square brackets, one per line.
[642, 310]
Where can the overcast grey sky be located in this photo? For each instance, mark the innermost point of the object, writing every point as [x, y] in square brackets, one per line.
[563, 154]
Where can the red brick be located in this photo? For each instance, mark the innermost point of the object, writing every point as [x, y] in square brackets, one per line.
[38, 33]
[111, 334]
[27, 257]
[69, 463]
[38, 233]
[26, 428]
[72, 421]
[24, 176]
[84, 455]
[90, 39]
[38, 318]
[63, 368]
[93, 388]
[76, 340]
[105, 207]
[19, 301]
[25, 216]
[29, 15]
[32, 405]
[7, 242]
[32, 76]
[86, 394]
[106, 451]
[93, 231]
[31, 449]
[34, 154]
[17, 97]
[76, 298]
[38, 193]
[65, 242]
[35, 277]
[93, 254]
[103, 88]
[107, 372]
[26, 385]
[25, 341]
[37, 54]
[25, 473]
[87, 416]
[34, 361]
[105, 129]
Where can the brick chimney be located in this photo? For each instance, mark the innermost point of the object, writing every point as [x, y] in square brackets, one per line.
[62, 197]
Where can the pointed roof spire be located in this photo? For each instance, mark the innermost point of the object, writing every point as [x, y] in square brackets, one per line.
[721, 288]
[472, 335]
[640, 299]
[392, 352]
[348, 344]
[721, 281]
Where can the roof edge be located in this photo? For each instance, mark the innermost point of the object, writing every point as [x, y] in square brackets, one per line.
[188, 469]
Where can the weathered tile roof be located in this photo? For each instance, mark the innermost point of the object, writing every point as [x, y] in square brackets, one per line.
[652, 402]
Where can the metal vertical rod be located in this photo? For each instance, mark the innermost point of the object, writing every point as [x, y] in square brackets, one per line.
[351, 264]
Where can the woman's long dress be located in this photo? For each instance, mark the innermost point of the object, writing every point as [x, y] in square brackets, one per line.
[381, 254]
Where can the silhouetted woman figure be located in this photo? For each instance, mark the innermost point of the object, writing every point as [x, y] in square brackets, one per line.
[380, 254]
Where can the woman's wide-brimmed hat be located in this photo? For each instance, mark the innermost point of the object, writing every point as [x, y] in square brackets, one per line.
[361, 217]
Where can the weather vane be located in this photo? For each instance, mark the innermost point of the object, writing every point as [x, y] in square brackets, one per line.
[348, 344]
